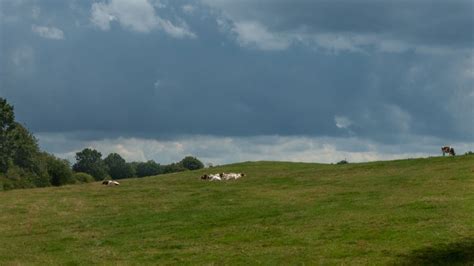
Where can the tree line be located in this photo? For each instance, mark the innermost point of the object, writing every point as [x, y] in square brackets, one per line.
[115, 167]
[24, 165]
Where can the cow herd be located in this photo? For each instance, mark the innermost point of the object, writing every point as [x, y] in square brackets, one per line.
[209, 177]
[235, 176]
[222, 176]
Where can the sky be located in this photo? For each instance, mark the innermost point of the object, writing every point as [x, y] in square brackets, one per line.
[229, 81]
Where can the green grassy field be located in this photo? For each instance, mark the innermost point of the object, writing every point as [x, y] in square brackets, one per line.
[418, 211]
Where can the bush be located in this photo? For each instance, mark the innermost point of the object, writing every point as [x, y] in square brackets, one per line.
[5, 183]
[19, 178]
[342, 162]
[82, 178]
[469, 153]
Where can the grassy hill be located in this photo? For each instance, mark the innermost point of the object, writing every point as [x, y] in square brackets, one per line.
[406, 211]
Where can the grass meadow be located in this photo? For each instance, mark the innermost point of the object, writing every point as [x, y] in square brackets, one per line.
[413, 212]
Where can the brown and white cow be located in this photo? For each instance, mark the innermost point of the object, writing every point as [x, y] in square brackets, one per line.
[448, 150]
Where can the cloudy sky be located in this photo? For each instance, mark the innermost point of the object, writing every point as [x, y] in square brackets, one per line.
[229, 81]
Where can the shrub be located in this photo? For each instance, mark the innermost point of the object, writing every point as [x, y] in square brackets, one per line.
[469, 153]
[342, 162]
[82, 178]
[19, 178]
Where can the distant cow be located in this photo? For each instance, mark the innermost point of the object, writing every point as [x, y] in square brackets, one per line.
[222, 176]
[215, 177]
[230, 176]
[448, 150]
[110, 183]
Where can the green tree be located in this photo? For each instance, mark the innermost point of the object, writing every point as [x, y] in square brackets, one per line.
[24, 150]
[118, 167]
[7, 119]
[191, 163]
[59, 170]
[173, 168]
[90, 161]
[149, 168]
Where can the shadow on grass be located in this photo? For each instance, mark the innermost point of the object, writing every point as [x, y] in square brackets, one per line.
[456, 253]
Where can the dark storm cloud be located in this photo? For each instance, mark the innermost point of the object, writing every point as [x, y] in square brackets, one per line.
[120, 82]
[431, 23]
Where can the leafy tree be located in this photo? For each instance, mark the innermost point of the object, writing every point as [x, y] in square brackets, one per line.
[173, 168]
[59, 170]
[7, 118]
[131, 170]
[90, 161]
[23, 147]
[191, 163]
[118, 167]
[149, 168]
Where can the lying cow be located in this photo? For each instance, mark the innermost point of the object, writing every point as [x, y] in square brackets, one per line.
[448, 150]
[230, 176]
[215, 177]
[110, 183]
[222, 176]
[211, 177]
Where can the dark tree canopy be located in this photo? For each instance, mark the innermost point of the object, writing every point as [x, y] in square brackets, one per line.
[90, 161]
[7, 119]
[173, 168]
[118, 167]
[191, 163]
[149, 168]
[58, 170]
[24, 148]
[7, 116]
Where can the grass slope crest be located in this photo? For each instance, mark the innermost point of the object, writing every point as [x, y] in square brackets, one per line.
[412, 212]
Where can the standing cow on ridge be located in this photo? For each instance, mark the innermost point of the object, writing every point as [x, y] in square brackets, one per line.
[448, 150]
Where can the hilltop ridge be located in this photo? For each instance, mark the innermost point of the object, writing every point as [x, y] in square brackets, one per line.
[413, 211]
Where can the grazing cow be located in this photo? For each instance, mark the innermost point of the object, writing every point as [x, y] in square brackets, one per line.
[448, 150]
[110, 183]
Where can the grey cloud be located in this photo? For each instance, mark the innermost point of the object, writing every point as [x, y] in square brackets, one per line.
[417, 24]
[221, 150]
[48, 32]
[103, 85]
[137, 15]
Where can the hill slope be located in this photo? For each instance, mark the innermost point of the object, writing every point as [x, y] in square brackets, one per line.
[406, 211]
